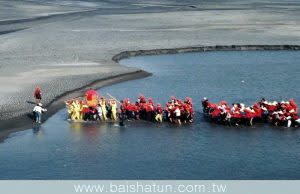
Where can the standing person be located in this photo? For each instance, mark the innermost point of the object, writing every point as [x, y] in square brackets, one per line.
[159, 113]
[76, 115]
[103, 107]
[38, 94]
[137, 110]
[108, 108]
[177, 113]
[38, 110]
[113, 109]
[206, 105]
[150, 110]
[122, 113]
[99, 110]
[169, 110]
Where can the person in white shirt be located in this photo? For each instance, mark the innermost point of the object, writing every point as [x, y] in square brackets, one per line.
[99, 109]
[37, 111]
[177, 115]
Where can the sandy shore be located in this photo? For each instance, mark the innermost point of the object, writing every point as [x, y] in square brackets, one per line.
[68, 52]
[24, 121]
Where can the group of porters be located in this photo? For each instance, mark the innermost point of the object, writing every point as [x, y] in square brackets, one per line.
[284, 113]
[93, 108]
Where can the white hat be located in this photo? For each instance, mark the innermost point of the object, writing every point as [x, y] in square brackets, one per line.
[205, 98]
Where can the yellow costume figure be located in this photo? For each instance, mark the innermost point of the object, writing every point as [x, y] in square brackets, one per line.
[76, 110]
[80, 111]
[70, 109]
[103, 107]
[159, 118]
[113, 104]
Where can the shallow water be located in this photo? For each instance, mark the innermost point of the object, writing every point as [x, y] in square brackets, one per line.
[141, 150]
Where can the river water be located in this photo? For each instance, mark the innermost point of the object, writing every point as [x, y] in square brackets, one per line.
[142, 150]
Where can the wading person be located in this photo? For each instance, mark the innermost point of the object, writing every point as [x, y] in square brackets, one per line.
[103, 107]
[159, 113]
[37, 94]
[113, 110]
[99, 110]
[177, 113]
[76, 110]
[37, 111]
[122, 113]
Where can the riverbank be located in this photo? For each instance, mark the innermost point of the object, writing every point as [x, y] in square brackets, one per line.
[127, 54]
[25, 121]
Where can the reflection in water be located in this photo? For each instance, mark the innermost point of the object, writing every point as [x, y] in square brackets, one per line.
[85, 130]
[94, 130]
[37, 130]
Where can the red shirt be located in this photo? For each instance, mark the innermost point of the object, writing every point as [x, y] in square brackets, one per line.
[37, 93]
[159, 110]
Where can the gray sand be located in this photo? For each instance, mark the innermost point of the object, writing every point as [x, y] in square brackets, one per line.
[72, 49]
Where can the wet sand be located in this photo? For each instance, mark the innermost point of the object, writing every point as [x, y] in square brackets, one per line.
[66, 48]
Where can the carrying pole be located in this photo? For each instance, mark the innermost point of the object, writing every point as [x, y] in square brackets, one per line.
[113, 97]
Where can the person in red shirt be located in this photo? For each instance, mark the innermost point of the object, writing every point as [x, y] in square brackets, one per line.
[150, 110]
[142, 99]
[137, 110]
[38, 94]
[249, 115]
[189, 101]
[236, 115]
[295, 119]
[131, 109]
[85, 112]
[173, 99]
[258, 112]
[293, 105]
[272, 107]
[215, 112]
[206, 105]
[170, 111]
[188, 113]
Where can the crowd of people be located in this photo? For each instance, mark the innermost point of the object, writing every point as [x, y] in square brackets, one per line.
[78, 109]
[284, 113]
[175, 111]
[93, 108]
